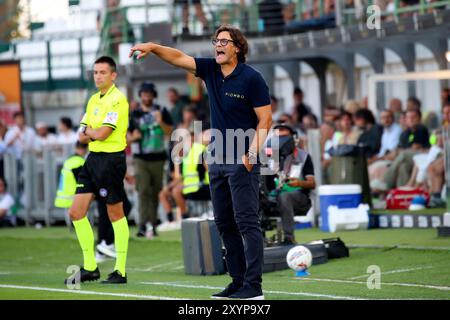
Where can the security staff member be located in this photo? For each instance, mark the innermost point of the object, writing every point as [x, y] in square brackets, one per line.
[240, 101]
[68, 177]
[103, 127]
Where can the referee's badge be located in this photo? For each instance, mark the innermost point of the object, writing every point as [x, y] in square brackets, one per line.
[103, 192]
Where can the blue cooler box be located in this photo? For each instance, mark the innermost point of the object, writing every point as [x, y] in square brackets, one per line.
[340, 195]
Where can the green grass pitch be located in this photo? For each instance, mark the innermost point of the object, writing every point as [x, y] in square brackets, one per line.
[414, 264]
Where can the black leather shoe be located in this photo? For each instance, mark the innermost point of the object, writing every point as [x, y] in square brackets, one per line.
[84, 275]
[229, 290]
[247, 293]
[115, 278]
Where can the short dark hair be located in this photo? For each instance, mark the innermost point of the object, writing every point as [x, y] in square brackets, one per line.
[297, 90]
[418, 112]
[18, 114]
[365, 114]
[415, 101]
[238, 38]
[66, 121]
[346, 114]
[108, 60]
[80, 145]
[149, 87]
[190, 108]
[174, 90]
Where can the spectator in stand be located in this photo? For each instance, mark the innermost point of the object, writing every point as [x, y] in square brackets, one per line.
[309, 122]
[66, 135]
[300, 108]
[20, 137]
[7, 219]
[371, 132]
[198, 11]
[445, 96]
[327, 130]
[44, 138]
[415, 139]
[331, 114]
[389, 143]
[436, 170]
[271, 13]
[413, 104]
[391, 134]
[177, 105]
[276, 112]
[347, 133]
[3, 130]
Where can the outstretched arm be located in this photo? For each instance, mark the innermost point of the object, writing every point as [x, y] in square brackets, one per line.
[172, 56]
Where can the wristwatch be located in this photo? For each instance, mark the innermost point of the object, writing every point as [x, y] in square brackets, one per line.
[252, 156]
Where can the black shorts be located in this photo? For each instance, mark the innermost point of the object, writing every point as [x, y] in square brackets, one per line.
[203, 194]
[102, 175]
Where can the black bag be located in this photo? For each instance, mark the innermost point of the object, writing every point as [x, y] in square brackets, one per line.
[336, 248]
[275, 257]
[202, 247]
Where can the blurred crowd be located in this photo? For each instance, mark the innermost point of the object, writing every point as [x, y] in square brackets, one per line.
[403, 147]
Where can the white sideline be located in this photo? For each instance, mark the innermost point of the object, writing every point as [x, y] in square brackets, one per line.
[444, 288]
[393, 271]
[304, 294]
[95, 293]
[152, 268]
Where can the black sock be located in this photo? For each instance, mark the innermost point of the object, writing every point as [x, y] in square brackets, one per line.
[436, 195]
[170, 216]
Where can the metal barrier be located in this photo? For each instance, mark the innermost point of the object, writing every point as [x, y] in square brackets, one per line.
[33, 182]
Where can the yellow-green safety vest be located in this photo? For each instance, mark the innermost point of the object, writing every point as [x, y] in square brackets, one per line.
[67, 182]
[191, 177]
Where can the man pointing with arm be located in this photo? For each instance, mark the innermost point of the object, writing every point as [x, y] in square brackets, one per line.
[240, 102]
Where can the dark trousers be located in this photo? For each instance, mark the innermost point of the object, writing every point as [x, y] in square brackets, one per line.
[235, 199]
[105, 228]
[291, 204]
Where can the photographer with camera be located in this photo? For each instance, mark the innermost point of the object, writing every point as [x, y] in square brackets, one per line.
[294, 180]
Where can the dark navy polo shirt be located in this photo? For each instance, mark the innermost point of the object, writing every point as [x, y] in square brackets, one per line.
[233, 98]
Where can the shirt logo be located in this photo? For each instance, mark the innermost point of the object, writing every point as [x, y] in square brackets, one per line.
[111, 117]
[103, 192]
[235, 95]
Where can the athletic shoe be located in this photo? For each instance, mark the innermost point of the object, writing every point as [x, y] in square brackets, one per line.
[99, 258]
[229, 290]
[107, 250]
[84, 275]
[115, 278]
[248, 293]
[141, 232]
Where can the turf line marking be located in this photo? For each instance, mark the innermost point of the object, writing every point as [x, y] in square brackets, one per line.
[95, 293]
[158, 266]
[369, 246]
[443, 288]
[178, 268]
[305, 294]
[393, 271]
